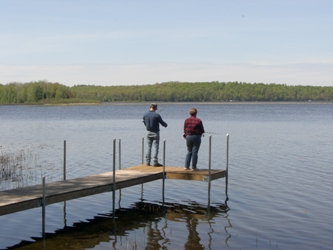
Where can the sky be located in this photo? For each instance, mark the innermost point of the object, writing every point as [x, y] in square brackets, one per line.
[131, 42]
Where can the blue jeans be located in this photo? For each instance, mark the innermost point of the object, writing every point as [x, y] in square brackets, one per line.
[153, 139]
[193, 144]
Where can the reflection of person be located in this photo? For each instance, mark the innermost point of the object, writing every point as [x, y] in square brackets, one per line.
[152, 121]
[193, 130]
[193, 239]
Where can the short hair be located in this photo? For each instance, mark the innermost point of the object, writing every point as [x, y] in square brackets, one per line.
[153, 105]
[193, 111]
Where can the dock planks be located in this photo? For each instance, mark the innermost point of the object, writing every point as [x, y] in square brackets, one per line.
[16, 200]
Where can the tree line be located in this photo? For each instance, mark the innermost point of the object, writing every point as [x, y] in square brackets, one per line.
[45, 92]
[33, 92]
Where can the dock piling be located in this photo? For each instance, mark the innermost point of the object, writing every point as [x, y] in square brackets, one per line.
[119, 150]
[143, 153]
[114, 179]
[64, 170]
[209, 168]
[143, 149]
[163, 178]
[226, 169]
[119, 167]
[64, 178]
[43, 208]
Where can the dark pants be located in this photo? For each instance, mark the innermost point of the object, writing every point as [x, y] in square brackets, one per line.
[193, 144]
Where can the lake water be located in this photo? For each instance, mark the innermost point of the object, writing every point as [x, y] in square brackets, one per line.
[280, 178]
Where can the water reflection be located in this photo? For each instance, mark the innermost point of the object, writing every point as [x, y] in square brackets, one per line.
[226, 230]
[148, 222]
[193, 239]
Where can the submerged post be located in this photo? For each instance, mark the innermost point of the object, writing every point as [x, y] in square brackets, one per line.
[141, 192]
[226, 169]
[43, 208]
[163, 181]
[64, 211]
[209, 168]
[114, 179]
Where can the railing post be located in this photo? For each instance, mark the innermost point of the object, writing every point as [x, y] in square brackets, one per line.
[43, 208]
[226, 169]
[119, 167]
[143, 149]
[64, 170]
[114, 179]
[119, 150]
[64, 177]
[142, 155]
[163, 180]
[209, 168]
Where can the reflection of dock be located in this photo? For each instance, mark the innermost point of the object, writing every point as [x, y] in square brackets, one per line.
[152, 220]
[16, 200]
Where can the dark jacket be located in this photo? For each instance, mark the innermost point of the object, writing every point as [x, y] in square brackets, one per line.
[152, 121]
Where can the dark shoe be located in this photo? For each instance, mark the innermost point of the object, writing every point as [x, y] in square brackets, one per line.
[195, 169]
[187, 168]
[148, 164]
[157, 164]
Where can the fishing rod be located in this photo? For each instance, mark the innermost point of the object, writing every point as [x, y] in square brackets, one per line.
[203, 135]
[213, 133]
[160, 110]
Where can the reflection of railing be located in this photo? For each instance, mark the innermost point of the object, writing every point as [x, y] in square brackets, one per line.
[104, 229]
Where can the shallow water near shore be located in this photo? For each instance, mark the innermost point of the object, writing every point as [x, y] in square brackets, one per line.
[280, 178]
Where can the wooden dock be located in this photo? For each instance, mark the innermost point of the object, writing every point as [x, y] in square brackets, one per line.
[20, 199]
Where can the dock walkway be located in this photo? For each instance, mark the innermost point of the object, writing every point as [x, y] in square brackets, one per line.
[20, 199]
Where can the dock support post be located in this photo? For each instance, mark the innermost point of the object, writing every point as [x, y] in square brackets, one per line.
[143, 149]
[143, 153]
[226, 170]
[141, 192]
[163, 180]
[209, 169]
[43, 208]
[64, 211]
[64, 178]
[119, 150]
[114, 179]
[64, 169]
[119, 167]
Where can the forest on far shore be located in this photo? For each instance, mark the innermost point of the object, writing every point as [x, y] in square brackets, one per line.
[44, 92]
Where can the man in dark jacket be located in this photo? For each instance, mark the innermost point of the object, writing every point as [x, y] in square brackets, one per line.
[152, 121]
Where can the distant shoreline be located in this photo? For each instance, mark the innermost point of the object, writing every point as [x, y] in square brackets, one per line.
[167, 103]
[196, 103]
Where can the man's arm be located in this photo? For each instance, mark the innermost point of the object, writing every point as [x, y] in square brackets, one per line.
[144, 120]
[163, 123]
